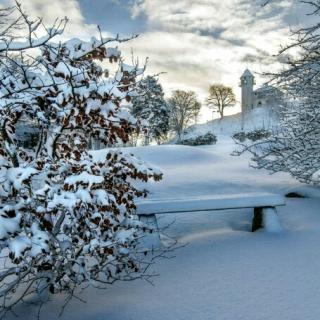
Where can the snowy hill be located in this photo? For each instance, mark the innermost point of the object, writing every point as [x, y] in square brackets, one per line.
[260, 118]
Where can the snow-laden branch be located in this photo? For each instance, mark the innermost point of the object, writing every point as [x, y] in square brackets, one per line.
[67, 214]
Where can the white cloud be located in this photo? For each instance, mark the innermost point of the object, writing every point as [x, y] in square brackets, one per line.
[195, 42]
[51, 10]
[198, 42]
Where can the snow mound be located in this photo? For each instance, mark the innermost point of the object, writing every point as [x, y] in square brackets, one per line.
[166, 155]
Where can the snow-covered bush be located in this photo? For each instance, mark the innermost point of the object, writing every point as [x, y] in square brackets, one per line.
[151, 106]
[206, 139]
[258, 134]
[66, 216]
[255, 135]
[240, 136]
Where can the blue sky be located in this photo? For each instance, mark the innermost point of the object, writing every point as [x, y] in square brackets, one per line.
[113, 15]
[194, 42]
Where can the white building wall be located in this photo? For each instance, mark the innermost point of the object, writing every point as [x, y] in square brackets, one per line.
[247, 96]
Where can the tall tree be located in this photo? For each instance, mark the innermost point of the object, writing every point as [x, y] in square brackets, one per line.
[220, 97]
[66, 214]
[185, 108]
[151, 106]
[295, 146]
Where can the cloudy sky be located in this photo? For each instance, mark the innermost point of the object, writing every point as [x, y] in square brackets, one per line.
[194, 42]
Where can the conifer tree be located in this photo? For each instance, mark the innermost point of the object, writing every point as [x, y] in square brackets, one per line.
[151, 106]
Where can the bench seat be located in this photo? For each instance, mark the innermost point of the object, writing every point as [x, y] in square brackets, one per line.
[208, 203]
[264, 205]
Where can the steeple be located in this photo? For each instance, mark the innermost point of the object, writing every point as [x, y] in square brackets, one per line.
[247, 73]
[247, 82]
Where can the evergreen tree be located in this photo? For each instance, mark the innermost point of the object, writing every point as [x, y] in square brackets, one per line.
[151, 106]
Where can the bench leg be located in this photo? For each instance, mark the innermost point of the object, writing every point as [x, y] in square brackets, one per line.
[257, 221]
[266, 218]
[151, 240]
[271, 220]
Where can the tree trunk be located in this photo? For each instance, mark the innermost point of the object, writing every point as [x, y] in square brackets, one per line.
[146, 140]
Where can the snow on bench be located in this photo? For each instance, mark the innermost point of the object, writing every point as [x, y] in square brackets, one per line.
[264, 204]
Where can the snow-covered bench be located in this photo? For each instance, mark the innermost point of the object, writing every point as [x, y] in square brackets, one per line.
[264, 205]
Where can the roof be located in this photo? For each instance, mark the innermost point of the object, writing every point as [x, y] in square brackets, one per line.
[247, 73]
[267, 89]
[264, 88]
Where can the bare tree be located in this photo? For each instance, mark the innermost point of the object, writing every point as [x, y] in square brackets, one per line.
[220, 97]
[295, 146]
[184, 108]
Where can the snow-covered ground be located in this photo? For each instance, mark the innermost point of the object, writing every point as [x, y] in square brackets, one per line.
[225, 271]
[260, 118]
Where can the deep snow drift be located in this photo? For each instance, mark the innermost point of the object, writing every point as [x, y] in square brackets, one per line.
[225, 271]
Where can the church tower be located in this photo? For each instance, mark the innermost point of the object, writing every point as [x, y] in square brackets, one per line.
[247, 82]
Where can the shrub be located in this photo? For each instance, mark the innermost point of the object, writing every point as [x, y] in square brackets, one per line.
[258, 134]
[240, 136]
[66, 214]
[208, 138]
[254, 135]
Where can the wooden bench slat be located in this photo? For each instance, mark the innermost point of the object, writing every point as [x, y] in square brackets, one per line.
[218, 202]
